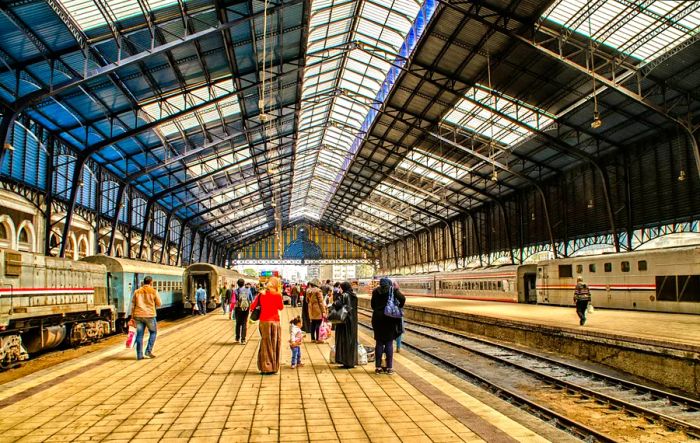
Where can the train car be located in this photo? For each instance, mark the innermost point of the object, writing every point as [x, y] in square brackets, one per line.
[45, 301]
[365, 285]
[659, 280]
[420, 285]
[214, 279]
[508, 283]
[124, 276]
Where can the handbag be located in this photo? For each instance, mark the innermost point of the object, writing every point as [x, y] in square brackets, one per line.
[590, 308]
[131, 337]
[339, 312]
[392, 308]
[255, 313]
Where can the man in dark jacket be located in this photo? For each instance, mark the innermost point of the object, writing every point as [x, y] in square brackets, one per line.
[582, 297]
[386, 329]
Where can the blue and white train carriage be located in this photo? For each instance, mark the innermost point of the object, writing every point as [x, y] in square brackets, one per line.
[124, 276]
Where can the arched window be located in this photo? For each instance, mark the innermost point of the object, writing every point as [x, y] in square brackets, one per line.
[101, 248]
[109, 198]
[3, 232]
[54, 244]
[27, 161]
[174, 231]
[119, 251]
[23, 237]
[159, 224]
[70, 247]
[7, 232]
[82, 247]
[139, 211]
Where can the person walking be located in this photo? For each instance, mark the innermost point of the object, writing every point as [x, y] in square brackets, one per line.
[240, 304]
[144, 303]
[295, 295]
[582, 297]
[386, 329]
[227, 301]
[346, 332]
[317, 309]
[201, 296]
[271, 304]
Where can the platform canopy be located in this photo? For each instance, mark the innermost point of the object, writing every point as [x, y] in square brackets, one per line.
[373, 118]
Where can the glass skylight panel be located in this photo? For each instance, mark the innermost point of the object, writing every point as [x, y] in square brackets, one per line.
[161, 109]
[644, 30]
[332, 66]
[87, 15]
[480, 112]
[404, 195]
[417, 162]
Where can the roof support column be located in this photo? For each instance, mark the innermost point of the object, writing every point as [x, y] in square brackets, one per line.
[8, 118]
[144, 227]
[179, 246]
[166, 237]
[117, 211]
[201, 248]
[75, 185]
[49, 195]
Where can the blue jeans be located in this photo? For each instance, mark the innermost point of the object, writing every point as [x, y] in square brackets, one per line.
[202, 305]
[296, 355]
[141, 324]
[384, 348]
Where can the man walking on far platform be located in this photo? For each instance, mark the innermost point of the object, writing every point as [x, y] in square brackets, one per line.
[582, 297]
[201, 296]
[143, 315]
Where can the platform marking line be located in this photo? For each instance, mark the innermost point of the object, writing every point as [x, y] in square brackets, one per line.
[485, 412]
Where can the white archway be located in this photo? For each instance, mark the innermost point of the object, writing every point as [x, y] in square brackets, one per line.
[72, 247]
[83, 247]
[119, 251]
[26, 237]
[9, 237]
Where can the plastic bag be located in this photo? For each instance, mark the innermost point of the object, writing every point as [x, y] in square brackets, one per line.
[131, 337]
[590, 309]
[361, 355]
[332, 355]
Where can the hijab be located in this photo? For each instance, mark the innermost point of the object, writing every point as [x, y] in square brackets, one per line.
[346, 287]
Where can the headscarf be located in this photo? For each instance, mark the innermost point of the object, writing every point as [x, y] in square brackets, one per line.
[273, 284]
[346, 287]
[315, 283]
[385, 283]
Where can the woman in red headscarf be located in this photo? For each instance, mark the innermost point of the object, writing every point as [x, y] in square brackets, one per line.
[271, 304]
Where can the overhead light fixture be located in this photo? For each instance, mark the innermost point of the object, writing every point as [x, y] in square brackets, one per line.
[597, 121]
[8, 147]
[494, 175]
[682, 176]
[590, 204]
[264, 117]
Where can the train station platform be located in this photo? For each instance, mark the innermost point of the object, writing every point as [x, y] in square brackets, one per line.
[204, 387]
[680, 331]
[661, 347]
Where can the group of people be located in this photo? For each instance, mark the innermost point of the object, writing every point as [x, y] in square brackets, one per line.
[318, 300]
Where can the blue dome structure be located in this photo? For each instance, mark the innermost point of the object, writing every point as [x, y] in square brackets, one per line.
[302, 248]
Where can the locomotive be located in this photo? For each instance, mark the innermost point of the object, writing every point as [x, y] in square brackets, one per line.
[45, 301]
[214, 279]
[658, 280]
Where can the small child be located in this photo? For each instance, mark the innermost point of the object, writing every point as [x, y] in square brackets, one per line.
[295, 338]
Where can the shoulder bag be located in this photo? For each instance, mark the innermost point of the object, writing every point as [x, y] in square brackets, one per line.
[392, 308]
[339, 311]
[255, 313]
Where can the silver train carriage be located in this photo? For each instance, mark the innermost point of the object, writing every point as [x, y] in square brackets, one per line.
[124, 276]
[659, 280]
[214, 279]
[45, 301]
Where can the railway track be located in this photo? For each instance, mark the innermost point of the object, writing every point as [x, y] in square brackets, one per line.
[676, 414]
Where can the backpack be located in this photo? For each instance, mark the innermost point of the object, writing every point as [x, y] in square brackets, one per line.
[242, 300]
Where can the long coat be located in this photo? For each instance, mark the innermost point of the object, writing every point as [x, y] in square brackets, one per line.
[385, 328]
[317, 309]
[346, 333]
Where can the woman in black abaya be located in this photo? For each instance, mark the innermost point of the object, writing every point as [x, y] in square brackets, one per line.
[346, 332]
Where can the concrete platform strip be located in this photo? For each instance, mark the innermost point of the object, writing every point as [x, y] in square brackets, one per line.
[203, 387]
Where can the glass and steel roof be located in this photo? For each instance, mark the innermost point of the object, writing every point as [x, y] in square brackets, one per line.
[642, 29]
[350, 49]
[89, 14]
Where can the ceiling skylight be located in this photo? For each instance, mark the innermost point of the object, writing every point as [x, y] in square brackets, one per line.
[480, 112]
[88, 15]
[643, 29]
[424, 164]
[350, 48]
[227, 108]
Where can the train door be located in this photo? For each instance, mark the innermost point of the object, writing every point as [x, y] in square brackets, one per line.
[529, 289]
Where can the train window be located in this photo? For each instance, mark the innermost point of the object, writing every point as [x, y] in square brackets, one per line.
[625, 266]
[566, 271]
[689, 288]
[591, 267]
[608, 267]
[642, 265]
[666, 287]
[579, 269]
